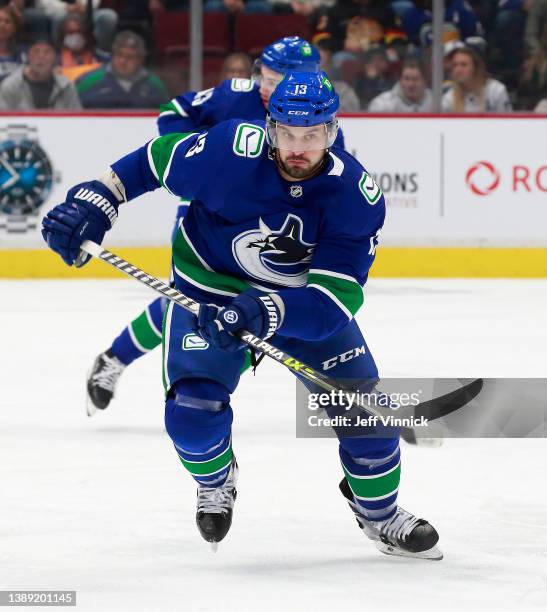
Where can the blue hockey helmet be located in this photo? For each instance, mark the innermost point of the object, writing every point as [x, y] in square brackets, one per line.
[291, 53]
[303, 99]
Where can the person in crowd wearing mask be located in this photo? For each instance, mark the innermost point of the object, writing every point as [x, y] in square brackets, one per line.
[105, 20]
[409, 95]
[76, 56]
[11, 56]
[124, 82]
[37, 85]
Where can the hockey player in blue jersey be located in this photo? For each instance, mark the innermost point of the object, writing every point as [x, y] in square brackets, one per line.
[280, 243]
[191, 112]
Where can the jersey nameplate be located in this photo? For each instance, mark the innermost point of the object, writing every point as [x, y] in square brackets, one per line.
[249, 140]
[369, 189]
[242, 85]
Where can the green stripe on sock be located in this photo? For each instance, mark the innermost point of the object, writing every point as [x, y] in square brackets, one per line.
[146, 336]
[374, 486]
[203, 468]
[161, 150]
[189, 264]
[247, 363]
[349, 293]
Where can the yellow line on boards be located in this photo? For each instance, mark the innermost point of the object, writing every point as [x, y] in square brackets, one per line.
[425, 262]
[460, 262]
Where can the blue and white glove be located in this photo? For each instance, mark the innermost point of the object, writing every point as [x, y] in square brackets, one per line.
[256, 313]
[88, 213]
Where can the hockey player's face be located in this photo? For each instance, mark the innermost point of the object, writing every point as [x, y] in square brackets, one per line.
[300, 149]
[269, 80]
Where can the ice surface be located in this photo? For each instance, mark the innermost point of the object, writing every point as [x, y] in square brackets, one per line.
[103, 506]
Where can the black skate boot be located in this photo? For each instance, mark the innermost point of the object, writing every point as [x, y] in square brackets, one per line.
[403, 534]
[214, 509]
[101, 381]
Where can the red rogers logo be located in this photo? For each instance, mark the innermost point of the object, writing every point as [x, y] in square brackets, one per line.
[482, 178]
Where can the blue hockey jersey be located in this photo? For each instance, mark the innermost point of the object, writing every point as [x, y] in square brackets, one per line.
[311, 241]
[201, 110]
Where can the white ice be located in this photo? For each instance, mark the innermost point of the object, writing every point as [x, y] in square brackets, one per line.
[102, 505]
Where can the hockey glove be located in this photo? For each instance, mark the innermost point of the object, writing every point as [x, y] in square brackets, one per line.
[88, 213]
[257, 313]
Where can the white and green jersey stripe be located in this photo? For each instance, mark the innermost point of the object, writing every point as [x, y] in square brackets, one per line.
[343, 290]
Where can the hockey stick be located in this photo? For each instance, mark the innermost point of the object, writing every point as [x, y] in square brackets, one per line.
[432, 409]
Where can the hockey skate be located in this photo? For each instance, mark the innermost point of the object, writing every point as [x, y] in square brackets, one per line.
[402, 535]
[101, 381]
[214, 508]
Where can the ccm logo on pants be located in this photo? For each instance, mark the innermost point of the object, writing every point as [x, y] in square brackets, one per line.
[343, 357]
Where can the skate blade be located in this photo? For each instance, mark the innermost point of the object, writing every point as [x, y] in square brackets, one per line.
[433, 554]
[90, 407]
[214, 546]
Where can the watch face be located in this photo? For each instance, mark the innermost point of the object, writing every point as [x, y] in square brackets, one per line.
[25, 177]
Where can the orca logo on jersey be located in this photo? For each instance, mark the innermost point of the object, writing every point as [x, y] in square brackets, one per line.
[276, 256]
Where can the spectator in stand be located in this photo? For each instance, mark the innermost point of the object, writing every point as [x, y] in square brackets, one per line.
[352, 19]
[506, 41]
[409, 95]
[236, 66]
[124, 82]
[238, 6]
[17, 7]
[349, 102]
[472, 91]
[416, 20]
[104, 19]
[36, 85]
[533, 87]
[11, 56]
[76, 56]
[374, 78]
[537, 18]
